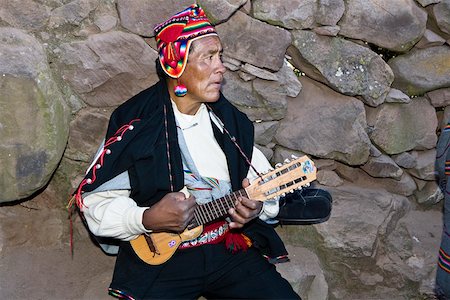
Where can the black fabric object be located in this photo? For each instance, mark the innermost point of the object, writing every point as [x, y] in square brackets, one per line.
[142, 151]
[304, 207]
[213, 272]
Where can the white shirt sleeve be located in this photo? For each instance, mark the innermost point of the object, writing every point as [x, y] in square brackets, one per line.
[259, 161]
[114, 214]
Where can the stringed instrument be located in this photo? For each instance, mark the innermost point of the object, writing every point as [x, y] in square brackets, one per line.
[157, 248]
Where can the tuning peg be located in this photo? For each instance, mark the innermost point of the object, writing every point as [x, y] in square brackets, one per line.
[287, 160]
[284, 194]
[278, 165]
[293, 156]
[299, 188]
[291, 191]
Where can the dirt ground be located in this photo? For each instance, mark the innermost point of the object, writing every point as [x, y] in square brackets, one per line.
[36, 260]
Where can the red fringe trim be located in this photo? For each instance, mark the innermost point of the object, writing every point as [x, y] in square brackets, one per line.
[235, 242]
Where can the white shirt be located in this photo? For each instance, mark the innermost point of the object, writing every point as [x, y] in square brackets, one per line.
[114, 214]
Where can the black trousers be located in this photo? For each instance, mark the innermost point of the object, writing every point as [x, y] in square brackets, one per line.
[215, 273]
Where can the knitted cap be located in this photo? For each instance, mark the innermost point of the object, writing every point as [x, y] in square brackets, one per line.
[174, 37]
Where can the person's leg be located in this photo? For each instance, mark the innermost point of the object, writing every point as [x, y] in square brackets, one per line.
[182, 276]
[245, 275]
[443, 270]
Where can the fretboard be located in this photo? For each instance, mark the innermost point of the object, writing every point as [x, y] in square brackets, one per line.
[208, 212]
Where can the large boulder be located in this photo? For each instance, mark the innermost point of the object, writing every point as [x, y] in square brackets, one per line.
[299, 14]
[422, 70]
[396, 128]
[348, 67]
[219, 11]
[108, 78]
[394, 25]
[33, 117]
[260, 44]
[27, 15]
[441, 12]
[141, 16]
[341, 133]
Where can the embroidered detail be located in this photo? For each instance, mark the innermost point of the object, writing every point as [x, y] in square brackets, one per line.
[447, 168]
[276, 260]
[212, 234]
[444, 260]
[447, 127]
[119, 294]
[99, 162]
[212, 181]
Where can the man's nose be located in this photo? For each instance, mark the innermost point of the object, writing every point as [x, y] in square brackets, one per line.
[221, 68]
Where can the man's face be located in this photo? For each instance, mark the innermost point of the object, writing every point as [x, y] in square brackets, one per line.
[204, 71]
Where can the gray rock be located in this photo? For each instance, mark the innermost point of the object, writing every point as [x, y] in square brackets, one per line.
[273, 96]
[341, 133]
[430, 39]
[397, 96]
[268, 103]
[304, 273]
[219, 11]
[441, 12]
[424, 168]
[108, 78]
[106, 22]
[264, 132]
[405, 186]
[299, 14]
[289, 80]
[329, 178]
[281, 153]
[325, 164]
[327, 30]
[33, 119]
[258, 72]
[411, 249]
[405, 160]
[440, 97]
[349, 68]
[397, 128]
[260, 44]
[374, 152]
[427, 2]
[246, 76]
[303, 66]
[87, 132]
[27, 15]
[329, 12]
[396, 26]
[268, 153]
[294, 14]
[231, 63]
[354, 231]
[141, 16]
[430, 194]
[382, 166]
[239, 92]
[72, 13]
[422, 70]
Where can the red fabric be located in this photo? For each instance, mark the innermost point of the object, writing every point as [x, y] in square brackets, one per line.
[237, 242]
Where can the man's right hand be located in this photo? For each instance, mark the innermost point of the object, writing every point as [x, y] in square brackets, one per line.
[172, 213]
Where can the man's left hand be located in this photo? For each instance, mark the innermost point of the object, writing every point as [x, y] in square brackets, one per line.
[245, 210]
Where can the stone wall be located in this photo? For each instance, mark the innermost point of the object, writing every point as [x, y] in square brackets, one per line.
[361, 86]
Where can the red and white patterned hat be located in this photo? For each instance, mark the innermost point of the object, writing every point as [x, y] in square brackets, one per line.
[174, 37]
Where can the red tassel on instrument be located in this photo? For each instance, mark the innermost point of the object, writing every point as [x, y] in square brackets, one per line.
[237, 242]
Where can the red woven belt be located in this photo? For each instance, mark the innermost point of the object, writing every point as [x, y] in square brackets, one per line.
[213, 233]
